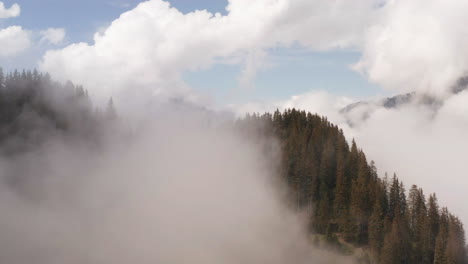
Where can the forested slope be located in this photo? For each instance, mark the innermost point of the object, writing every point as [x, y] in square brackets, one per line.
[350, 202]
[34, 108]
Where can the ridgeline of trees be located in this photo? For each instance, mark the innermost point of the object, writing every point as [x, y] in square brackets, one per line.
[351, 204]
[34, 108]
[348, 201]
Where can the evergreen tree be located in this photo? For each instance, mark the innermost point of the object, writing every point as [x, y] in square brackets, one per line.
[360, 194]
[432, 226]
[343, 183]
[376, 228]
[397, 246]
[440, 251]
[417, 222]
[455, 251]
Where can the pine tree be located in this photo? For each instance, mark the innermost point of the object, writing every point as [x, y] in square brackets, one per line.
[417, 221]
[353, 161]
[376, 228]
[360, 199]
[455, 251]
[397, 248]
[432, 226]
[440, 256]
[343, 183]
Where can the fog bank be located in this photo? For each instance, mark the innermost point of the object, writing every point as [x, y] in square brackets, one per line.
[181, 189]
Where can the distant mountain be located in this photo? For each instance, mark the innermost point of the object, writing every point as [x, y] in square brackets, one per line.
[389, 102]
[361, 110]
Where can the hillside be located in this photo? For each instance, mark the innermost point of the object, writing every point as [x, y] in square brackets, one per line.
[349, 201]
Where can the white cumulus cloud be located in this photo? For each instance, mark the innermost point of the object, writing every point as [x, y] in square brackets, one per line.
[151, 45]
[13, 11]
[417, 45]
[13, 40]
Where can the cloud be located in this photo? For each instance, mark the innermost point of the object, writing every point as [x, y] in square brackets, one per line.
[120, 4]
[320, 102]
[13, 11]
[426, 38]
[53, 36]
[423, 146]
[417, 45]
[149, 47]
[13, 40]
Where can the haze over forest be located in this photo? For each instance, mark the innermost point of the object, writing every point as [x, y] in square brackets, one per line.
[280, 131]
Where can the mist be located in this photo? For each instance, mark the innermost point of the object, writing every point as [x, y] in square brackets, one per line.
[424, 144]
[179, 187]
[178, 184]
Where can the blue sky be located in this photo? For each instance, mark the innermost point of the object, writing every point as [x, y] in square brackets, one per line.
[293, 72]
[84, 17]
